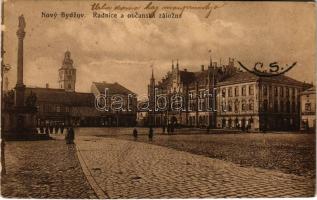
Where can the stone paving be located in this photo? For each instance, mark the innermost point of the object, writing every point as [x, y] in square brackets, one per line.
[43, 169]
[127, 169]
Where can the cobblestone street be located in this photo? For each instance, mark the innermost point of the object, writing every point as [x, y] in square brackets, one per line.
[127, 169]
[43, 169]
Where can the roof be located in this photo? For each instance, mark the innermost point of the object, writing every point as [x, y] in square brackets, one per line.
[243, 77]
[187, 77]
[114, 88]
[239, 77]
[311, 90]
[60, 96]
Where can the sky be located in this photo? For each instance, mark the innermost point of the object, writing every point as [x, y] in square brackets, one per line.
[123, 50]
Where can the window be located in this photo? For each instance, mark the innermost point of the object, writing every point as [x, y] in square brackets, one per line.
[275, 106]
[293, 92]
[293, 107]
[236, 106]
[282, 106]
[251, 90]
[230, 106]
[224, 107]
[265, 105]
[230, 92]
[201, 94]
[275, 91]
[288, 107]
[243, 105]
[69, 86]
[264, 90]
[223, 92]
[58, 108]
[307, 107]
[236, 91]
[251, 105]
[190, 95]
[244, 90]
[281, 92]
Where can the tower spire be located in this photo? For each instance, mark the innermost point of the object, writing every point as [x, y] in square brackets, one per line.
[177, 66]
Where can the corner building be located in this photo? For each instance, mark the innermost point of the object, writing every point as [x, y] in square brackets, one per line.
[260, 103]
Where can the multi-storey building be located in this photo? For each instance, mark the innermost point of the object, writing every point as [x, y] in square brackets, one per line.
[66, 106]
[308, 109]
[192, 92]
[259, 103]
[225, 97]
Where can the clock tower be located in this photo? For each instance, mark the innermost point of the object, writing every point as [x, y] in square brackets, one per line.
[67, 74]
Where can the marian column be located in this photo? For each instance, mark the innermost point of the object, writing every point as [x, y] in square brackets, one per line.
[20, 87]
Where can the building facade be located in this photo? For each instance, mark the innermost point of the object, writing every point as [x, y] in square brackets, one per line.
[117, 105]
[308, 109]
[193, 92]
[259, 103]
[65, 106]
[225, 97]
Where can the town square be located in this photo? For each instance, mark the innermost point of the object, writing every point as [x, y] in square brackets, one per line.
[110, 109]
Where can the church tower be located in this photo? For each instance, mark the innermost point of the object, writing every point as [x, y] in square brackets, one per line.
[67, 74]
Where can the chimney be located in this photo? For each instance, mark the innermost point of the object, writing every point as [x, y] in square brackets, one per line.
[202, 67]
[47, 85]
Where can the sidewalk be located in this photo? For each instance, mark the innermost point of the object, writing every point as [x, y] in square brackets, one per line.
[43, 169]
[126, 169]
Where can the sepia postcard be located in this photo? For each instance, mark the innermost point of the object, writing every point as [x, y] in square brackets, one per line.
[158, 99]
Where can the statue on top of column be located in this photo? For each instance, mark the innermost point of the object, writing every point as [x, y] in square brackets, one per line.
[21, 23]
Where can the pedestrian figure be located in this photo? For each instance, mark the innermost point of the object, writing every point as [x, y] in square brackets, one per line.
[151, 134]
[47, 131]
[172, 128]
[41, 129]
[168, 129]
[135, 134]
[56, 129]
[70, 135]
[62, 129]
[51, 129]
